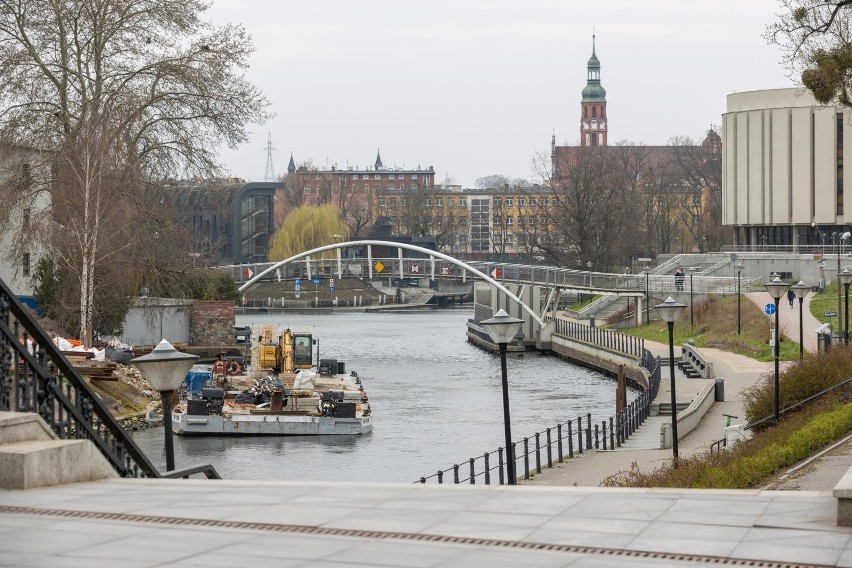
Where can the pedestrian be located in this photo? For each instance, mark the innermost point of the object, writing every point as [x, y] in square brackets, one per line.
[790, 297]
[679, 278]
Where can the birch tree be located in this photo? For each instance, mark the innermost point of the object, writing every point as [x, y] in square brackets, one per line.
[116, 95]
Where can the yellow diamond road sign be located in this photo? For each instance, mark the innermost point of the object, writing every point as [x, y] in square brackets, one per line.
[379, 267]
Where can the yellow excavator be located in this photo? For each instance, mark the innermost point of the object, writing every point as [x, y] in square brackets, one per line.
[293, 351]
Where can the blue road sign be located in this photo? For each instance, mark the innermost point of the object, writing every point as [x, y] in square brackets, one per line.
[769, 309]
[331, 289]
[297, 281]
[316, 280]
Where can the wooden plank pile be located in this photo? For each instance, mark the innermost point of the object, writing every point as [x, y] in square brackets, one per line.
[95, 370]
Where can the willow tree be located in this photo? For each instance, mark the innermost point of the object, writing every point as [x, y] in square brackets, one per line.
[113, 96]
[306, 228]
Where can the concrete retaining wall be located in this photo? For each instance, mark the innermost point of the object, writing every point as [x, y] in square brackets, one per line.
[689, 417]
[599, 358]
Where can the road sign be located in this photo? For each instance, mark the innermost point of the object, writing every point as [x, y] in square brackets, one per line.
[297, 281]
[297, 287]
[278, 274]
[445, 270]
[248, 273]
[297, 294]
[331, 282]
[379, 267]
[316, 280]
[415, 269]
[769, 309]
[830, 314]
[496, 273]
[331, 288]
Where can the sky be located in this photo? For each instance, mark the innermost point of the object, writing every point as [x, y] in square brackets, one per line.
[477, 87]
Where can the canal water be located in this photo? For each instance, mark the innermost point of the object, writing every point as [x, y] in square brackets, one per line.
[436, 401]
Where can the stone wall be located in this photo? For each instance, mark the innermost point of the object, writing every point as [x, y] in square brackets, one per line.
[212, 323]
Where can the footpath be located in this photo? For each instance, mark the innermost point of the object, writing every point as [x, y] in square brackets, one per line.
[739, 372]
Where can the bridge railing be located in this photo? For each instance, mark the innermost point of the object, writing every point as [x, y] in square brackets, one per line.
[600, 338]
[36, 377]
[558, 443]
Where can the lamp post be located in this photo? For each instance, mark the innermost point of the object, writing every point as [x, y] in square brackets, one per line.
[801, 290]
[669, 312]
[777, 289]
[502, 328]
[165, 369]
[841, 237]
[845, 278]
[739, 267]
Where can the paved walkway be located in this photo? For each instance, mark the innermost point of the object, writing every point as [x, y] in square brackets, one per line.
[182, 523]
[593, 467]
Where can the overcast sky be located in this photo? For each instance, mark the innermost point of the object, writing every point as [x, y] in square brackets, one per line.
[477, 87]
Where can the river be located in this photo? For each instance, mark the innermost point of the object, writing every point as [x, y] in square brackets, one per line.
[436, 401]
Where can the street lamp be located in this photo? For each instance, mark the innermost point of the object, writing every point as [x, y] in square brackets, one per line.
[669, 312]
[502, 328]
[842, 237]
[165, 369]
[739, 266]
[801, 290]
[777, 289]
[845, 278]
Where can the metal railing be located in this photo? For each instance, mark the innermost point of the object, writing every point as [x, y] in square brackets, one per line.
[557, 443]
[719, 444]
[601, 338]
[36, 377]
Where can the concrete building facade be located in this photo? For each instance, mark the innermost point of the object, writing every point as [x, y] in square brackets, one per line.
[783, 178]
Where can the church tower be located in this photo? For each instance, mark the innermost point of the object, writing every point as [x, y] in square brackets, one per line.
[593, 123]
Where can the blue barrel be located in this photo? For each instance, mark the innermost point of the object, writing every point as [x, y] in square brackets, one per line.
[196, 377]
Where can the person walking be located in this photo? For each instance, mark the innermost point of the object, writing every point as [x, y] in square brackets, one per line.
[679, 278]
[791, 296]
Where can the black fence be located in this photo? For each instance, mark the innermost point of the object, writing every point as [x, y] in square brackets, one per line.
[558, 443]
[602, 338]
[36, 377]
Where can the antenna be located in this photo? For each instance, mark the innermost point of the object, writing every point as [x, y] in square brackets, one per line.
[270, 169]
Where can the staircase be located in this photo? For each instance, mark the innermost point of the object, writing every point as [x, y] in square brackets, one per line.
[32, 455]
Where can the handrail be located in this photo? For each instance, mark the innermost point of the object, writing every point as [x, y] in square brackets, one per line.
[36, 377]
[719, 444]
[606, 435]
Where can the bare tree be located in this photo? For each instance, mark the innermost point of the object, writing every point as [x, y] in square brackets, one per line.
[816, 40]
[118, 94]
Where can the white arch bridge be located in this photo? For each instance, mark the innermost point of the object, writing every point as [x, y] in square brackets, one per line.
[524, 291]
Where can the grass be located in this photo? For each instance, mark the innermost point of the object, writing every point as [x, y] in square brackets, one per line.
[587, 299]
[826, 301]
[715, 325]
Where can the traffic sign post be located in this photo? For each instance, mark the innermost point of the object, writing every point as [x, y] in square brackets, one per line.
[770, 309]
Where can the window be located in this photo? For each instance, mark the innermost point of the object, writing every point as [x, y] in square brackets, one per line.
[426, 180]
[497, 220]
[414, 187]
[462, 201]
[463, 239]
[542, 202]
[391, 187]
[510, 238]
[462, 220]
[413, 176]
[509, 220]
[25, 264]
[390, 176]
[306, 190]
[392, 202]
[381, 202]
[509, 202]
[520, 220]
[428, 203]
[451, 202]
[497, 202]
[522, 203]
[531, 221]
[403, 202]
[532, 202]
[378, 176]
[439, 202]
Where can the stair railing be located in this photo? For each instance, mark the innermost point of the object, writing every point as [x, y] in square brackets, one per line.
[36, 377]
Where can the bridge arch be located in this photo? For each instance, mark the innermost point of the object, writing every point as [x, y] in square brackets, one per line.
[342, 245]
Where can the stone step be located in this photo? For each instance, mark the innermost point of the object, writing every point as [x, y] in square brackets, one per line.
[665, 408]
[23, 426]
[31, 455]
[43, 463]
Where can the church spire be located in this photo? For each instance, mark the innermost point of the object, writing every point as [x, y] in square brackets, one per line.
[593, 126]
[379, 165]
[291, 167]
